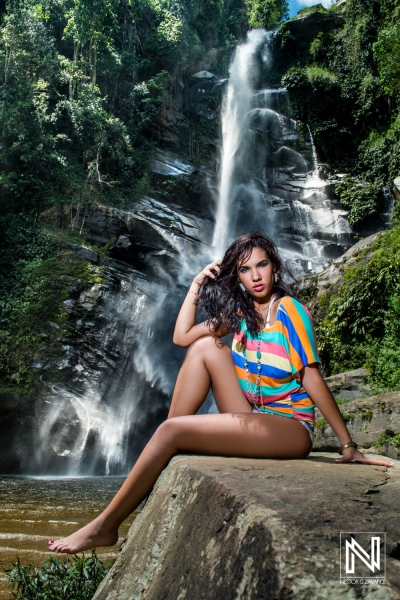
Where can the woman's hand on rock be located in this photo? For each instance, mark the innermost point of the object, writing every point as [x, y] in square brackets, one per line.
[211, 270]
[352, 454]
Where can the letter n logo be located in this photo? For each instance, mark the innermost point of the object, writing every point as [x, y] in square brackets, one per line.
[362, 554]
[372, 560]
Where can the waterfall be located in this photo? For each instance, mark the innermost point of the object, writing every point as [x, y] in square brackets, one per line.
[314, 153]
[237, 104]
[267, 183]
[100, 429]
[268, 178]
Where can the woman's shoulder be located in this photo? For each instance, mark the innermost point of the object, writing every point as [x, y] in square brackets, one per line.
[294, 308]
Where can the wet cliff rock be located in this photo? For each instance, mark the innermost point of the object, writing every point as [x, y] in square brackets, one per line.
[90, 369]
[230, 528]
[314, 286]
[91, 350]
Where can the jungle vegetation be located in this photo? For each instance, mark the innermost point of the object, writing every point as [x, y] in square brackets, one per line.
[82, 87]
[344, 81]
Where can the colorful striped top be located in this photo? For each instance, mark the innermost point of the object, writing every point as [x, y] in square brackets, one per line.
[286, 347]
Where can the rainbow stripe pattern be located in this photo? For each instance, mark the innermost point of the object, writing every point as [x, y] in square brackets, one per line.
[286, 347]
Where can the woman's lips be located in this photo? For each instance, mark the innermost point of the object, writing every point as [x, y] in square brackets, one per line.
[258, 288]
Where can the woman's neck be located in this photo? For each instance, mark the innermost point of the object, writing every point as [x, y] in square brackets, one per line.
[262, 304]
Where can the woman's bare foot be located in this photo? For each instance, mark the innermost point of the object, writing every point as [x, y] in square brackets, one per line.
[91, 536]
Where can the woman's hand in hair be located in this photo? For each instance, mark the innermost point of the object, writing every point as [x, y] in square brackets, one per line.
[212, 270]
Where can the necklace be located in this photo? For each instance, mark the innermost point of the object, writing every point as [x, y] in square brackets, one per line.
[258, 395]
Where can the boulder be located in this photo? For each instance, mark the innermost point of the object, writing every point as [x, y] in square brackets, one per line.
[309, 24]
[367, 420]
[288, 157]
[203, 75]
[279, 127]
[349, 385]
[171, 166]
[231, 528]
[84, 252]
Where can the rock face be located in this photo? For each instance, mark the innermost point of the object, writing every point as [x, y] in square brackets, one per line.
[16, 435]
[366, 420]
[80, 370]
[316, 285]
[230, 528]
[310, 24]
[349, 385]
[93, 407]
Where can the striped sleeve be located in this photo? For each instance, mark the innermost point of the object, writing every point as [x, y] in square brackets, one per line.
[301, 343]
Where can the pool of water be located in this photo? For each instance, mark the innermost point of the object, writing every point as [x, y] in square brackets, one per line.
[34, 510]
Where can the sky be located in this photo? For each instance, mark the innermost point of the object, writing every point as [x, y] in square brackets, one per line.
[296, 5]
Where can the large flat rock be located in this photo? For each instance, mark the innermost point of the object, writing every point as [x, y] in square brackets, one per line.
[233, 529]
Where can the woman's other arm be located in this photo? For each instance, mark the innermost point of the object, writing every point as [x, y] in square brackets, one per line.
[320, 394]
[186, 331]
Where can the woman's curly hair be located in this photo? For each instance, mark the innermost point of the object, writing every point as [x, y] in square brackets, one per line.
[221, 297]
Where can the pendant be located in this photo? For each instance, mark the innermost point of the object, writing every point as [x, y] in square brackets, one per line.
[239, 347]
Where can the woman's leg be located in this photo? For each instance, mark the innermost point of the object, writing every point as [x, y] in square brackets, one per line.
[244, 435]
[208, 363]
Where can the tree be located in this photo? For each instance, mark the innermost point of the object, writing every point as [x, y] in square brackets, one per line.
[387, 55]
[266, 13]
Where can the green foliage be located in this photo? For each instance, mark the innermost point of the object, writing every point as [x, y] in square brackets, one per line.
[31, 297]
[384, 439]
[362, 199]
[380, 154]
[320, 76]
[83, 84]
[344, 82]
[312, 9]
[266, 13]
[317, 46]
[360, 321]
[73, 578]
[387, 55]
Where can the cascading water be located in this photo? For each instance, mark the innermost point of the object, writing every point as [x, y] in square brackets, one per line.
[268, 183]
[269, 177]
[238, 102]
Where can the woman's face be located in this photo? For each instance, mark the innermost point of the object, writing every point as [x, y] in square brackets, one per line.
[257, 275]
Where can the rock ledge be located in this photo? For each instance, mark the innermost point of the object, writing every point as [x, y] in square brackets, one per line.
[230, 528]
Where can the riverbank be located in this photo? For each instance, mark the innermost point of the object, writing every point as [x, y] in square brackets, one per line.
[33, 510]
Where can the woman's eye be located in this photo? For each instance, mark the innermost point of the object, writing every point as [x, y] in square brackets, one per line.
[243, 269]
[264, 263]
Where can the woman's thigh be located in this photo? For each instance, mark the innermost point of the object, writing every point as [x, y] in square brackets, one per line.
[208, 363]
[238, 434]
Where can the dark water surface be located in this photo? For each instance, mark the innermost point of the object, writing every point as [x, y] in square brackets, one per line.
[34, 510]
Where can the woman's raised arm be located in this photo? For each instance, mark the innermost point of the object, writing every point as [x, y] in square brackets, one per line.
[186, 331]
[320, 394]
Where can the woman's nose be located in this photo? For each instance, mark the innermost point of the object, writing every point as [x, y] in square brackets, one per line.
[256, 275]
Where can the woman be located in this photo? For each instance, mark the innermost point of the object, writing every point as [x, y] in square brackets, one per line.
[274, 374]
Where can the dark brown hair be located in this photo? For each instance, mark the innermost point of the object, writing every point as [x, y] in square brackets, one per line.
[221, 297]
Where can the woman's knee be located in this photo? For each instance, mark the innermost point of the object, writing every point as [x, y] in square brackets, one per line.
[206, 345]
[167, 433]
